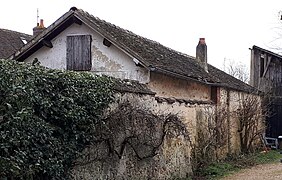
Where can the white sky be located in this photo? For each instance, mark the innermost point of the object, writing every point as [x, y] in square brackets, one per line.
[230, 27]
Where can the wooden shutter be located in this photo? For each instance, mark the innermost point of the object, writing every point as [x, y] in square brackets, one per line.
[79, 52]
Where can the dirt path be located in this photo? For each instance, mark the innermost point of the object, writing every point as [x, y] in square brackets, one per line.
[259, 172]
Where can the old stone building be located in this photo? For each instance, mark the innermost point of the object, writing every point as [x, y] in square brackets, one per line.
[169, 82]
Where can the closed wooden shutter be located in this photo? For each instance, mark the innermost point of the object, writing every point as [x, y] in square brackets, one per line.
[79, 52]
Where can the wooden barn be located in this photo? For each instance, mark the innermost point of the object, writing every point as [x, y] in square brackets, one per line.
[266, 75]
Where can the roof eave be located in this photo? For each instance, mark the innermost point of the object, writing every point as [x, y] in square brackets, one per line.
[47, 35]
[267, 51]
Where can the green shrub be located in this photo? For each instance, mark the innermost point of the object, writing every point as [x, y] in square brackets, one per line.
[47, 117]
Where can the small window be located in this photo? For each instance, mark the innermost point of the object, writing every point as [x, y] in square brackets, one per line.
[79, 52]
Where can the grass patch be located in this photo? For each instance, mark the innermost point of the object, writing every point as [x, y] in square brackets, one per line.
[269, 157]
[217, 170]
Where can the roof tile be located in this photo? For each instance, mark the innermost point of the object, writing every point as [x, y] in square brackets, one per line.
[10, 42]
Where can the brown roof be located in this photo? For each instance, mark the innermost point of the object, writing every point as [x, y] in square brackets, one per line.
[10, 42]
[153, 55]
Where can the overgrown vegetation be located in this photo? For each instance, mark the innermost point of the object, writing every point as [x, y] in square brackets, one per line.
[233, 164]
[47, 117]
[214, 132]
[251, 115]
[211, 136]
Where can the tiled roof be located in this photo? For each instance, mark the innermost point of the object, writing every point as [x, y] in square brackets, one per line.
[158, 57]
[11, 41]
[153, 55]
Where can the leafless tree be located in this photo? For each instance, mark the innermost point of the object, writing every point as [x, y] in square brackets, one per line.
[251, 114]
[212, 133]
[275, 44]
[236, 69]
[213, 130]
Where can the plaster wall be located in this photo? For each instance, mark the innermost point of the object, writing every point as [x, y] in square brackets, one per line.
[105, 60]
[173, 158]
[235, 98]
[232, 99]
[168, 86]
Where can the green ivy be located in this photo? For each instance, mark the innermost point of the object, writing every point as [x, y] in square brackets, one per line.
[47, 117]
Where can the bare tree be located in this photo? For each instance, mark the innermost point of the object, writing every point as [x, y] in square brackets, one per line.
[251, 115]
[213, 129]
[212, 132]
[275, 44]
[236, 69]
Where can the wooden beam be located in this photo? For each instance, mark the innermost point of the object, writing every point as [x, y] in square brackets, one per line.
[107, 42]
[47, 43]
[268, 58]
[76, 20]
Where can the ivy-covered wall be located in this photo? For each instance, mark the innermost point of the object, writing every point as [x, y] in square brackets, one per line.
[47, 117]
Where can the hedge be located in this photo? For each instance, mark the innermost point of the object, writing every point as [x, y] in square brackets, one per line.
[47, 117]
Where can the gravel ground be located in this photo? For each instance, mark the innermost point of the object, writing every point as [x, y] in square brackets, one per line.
[259, 172]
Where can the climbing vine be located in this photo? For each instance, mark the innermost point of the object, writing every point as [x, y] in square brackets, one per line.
[133, 131]
[47, 117]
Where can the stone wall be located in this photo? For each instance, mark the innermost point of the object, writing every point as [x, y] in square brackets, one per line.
[123, 157]
[172, 157]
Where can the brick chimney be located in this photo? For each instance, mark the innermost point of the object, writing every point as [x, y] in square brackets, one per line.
[39, 28]
[201, 53]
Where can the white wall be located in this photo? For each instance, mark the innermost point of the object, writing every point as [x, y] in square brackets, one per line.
[105, 60]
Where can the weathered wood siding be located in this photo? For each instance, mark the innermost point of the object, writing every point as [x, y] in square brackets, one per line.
[266, 75]
[266, 72]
